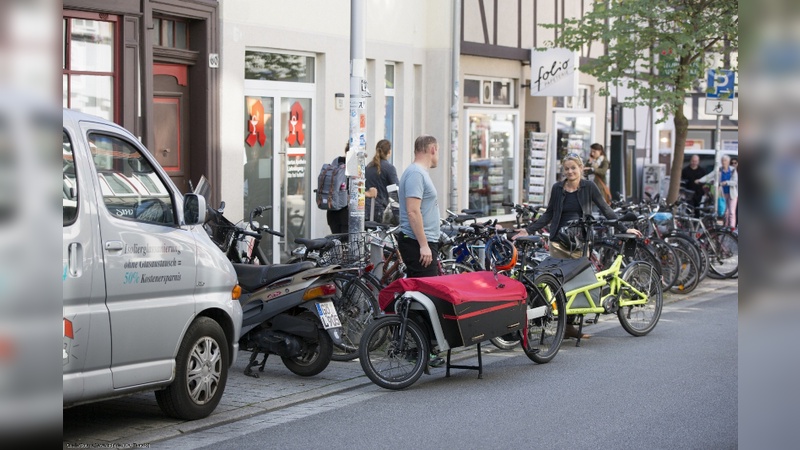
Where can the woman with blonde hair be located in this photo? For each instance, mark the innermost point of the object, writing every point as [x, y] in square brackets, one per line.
[379, 175]
[571, 199]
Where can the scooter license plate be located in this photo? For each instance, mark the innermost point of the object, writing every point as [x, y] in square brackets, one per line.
[328, 316]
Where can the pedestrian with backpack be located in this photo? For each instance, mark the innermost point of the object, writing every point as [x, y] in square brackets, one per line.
[333, 193]
[379, 175]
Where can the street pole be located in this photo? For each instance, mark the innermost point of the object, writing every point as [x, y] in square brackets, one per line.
[717, 151]
[358, 119]
[454, 105]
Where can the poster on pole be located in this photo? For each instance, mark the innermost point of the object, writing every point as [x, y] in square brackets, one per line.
[554, 73]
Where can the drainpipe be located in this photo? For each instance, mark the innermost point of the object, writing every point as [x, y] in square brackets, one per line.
[455, 74]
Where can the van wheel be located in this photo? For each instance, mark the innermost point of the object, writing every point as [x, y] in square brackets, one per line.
[201, 371]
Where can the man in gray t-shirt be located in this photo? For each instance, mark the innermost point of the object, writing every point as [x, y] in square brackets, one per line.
[419, 211]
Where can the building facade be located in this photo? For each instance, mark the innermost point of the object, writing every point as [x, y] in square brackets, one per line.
[254, 95]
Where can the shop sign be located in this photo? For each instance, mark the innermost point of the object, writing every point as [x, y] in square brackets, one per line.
[554, 73]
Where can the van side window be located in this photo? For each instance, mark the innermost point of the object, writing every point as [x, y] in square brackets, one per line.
[69, 183]
[131, 187]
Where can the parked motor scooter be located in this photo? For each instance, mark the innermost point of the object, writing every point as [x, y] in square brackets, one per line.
[287, 309]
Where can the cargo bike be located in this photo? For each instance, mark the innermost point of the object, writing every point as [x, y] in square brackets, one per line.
[439, 314]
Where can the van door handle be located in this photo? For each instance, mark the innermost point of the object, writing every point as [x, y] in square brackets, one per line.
[75, 259]
[114, 246]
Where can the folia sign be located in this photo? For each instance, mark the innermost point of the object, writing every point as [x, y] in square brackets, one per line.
[554, 73]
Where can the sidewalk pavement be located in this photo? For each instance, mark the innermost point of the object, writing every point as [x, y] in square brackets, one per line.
[136, 419]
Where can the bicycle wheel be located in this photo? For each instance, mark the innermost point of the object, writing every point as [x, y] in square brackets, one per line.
[688, 272]
[390, 360]
[450, 267]
[505, 342]
[545, 333]
[639, 320]
[668, 260]
[723, 252]
[603, 255]
[356, 306]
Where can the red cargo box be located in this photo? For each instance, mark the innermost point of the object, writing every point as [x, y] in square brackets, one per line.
[472, 307]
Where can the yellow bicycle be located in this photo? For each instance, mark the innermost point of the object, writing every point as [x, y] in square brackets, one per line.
[633, 294]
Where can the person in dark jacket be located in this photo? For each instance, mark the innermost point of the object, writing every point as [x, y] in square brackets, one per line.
[380, 173]
[571, 199]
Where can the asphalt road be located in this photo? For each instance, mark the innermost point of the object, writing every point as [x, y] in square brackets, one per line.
[675, 388]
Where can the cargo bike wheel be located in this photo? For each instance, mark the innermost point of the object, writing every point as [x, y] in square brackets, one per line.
[545, 330]
[393, 352]
[638, 320]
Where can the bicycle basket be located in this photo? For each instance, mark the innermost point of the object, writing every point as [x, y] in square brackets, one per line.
[220, 230]
[663, 221]
[346, 252]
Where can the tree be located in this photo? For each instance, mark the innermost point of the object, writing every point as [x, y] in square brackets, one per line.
[658, 49]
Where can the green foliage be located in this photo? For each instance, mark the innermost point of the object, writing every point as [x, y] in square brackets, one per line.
[659, 49]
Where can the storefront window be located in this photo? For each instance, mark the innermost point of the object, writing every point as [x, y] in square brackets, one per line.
[88, 64]
[574, 135]
[388, 117]
[278, 67]
[492, 151]
[581, 101]
[488, 92]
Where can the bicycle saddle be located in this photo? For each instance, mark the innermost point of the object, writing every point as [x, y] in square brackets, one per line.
[252, 277]
[314, 244]
[463, 218]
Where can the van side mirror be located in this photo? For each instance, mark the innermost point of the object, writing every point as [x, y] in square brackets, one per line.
[194, 209]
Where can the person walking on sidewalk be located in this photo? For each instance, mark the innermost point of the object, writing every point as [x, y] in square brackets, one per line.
[729, 182]
[379, 175]
[596, 171]
[571, 199]
[339, 220]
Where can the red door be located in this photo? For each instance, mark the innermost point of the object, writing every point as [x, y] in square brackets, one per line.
[171, 114]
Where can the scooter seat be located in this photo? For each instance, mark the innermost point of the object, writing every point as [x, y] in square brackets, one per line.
[253, 277]
[566, 268]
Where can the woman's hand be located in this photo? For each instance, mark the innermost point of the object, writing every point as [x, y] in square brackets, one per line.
[634, 231]
[520, 232]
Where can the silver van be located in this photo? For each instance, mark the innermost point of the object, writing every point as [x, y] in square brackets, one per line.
[149, 301]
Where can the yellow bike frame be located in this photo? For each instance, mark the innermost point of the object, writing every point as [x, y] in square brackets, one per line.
[610, 277]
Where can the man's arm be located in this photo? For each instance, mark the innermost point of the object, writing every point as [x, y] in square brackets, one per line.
[414, 211]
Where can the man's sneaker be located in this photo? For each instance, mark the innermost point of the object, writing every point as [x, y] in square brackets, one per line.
[435, 361]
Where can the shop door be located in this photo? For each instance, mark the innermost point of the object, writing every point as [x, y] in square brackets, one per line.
[277, 170]
[171, 121]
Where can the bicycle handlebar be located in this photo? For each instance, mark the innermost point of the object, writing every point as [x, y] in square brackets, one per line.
[256, 212]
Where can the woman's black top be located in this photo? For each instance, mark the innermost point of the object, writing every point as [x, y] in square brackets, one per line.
[587, 194]
[380, 181]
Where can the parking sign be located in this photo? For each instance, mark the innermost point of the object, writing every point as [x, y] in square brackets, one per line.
[720, 83]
